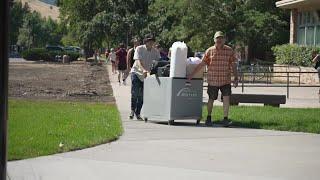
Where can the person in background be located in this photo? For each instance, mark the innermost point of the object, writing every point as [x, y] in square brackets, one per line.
[163, 54]
[96, 56]
[106, 53]
[143, 56]
[121, 62]
[169, 54]
[316, 60]
[112, 57]
[221, 62]
[130, 54]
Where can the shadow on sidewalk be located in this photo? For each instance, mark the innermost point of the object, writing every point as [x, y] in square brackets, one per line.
[235, 124]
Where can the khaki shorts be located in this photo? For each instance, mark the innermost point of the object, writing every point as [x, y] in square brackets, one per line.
[213, 91]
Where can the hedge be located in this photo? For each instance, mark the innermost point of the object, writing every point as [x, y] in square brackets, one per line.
[293, 54]
[37, 54]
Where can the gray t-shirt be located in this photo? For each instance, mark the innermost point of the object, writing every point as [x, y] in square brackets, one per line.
[146, 57]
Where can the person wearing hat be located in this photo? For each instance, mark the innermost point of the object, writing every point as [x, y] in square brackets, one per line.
[220, 60]
[143, 57]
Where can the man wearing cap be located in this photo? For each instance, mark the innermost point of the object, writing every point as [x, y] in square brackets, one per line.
[220, 60]
[143, 57]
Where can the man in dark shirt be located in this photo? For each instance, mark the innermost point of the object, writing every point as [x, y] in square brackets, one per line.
[121, 62]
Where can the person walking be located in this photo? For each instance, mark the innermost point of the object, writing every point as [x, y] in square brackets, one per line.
[316, 61]
[220, 60]
[106, 53]
[130, 54]
[112, 57]
[96, 56]
[121, 62]
[143, 56]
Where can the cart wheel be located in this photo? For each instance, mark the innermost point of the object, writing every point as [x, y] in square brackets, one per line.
[198, 121]
[145, 120]
[170, 122]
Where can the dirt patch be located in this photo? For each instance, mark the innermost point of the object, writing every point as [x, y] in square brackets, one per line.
[74, 82]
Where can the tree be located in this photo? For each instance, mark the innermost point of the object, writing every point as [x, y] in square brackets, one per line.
[30, 33]
[52, 31]
[96, 22]
[17, 12]
[257, 24]
[25, 39]
[39, 32]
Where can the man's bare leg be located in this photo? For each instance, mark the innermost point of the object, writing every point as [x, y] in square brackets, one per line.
[226, 105]
[209, 109]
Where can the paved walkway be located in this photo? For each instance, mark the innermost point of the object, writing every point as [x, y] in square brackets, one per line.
[160, 152]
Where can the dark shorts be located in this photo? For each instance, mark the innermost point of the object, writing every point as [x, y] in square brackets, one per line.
[122, 67]
[213, 91]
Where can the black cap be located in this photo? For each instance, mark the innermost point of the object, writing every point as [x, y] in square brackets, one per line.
[149, 37]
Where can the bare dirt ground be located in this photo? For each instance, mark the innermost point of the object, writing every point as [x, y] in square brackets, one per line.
[73, 82]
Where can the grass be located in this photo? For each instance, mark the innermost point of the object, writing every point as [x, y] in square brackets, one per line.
[283, 119]
[38, 128]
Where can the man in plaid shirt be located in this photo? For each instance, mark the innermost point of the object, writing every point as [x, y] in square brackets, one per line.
[220, 60]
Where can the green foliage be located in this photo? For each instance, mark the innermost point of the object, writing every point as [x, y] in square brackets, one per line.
[294, 54]
[30, 30]
[94, 23]
[17, 12]
[36, 54]
[257, 23]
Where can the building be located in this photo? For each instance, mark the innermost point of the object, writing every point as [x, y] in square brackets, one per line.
[304, 21]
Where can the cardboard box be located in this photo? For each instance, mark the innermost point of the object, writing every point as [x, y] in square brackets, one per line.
[190, 69]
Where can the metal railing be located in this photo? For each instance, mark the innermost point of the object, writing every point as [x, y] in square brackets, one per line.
[263, 76]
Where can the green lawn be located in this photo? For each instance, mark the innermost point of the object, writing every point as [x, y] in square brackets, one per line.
[284, 119]
[39, 128]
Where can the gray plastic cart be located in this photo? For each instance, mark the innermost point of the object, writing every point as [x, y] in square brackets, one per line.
[171, 99]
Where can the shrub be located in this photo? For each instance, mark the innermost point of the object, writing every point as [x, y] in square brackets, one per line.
[293, 54]
[37, 54]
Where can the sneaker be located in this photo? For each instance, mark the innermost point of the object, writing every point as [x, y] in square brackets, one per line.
[208, 121]
[139, 117]
[226, 122]
[124, 82]
[131, 115]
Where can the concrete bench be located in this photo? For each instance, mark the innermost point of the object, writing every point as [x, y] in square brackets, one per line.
[267, 100]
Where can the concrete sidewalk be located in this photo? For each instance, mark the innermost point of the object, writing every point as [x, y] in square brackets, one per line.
[157, 151]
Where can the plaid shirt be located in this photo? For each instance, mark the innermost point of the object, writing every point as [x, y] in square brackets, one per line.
[219, 63]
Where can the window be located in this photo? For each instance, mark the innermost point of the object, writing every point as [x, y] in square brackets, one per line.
[301, 36]
[312, 18]
[318, 36]
[307, 15]
[308, 28]
[310, 35]
[299, 18]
